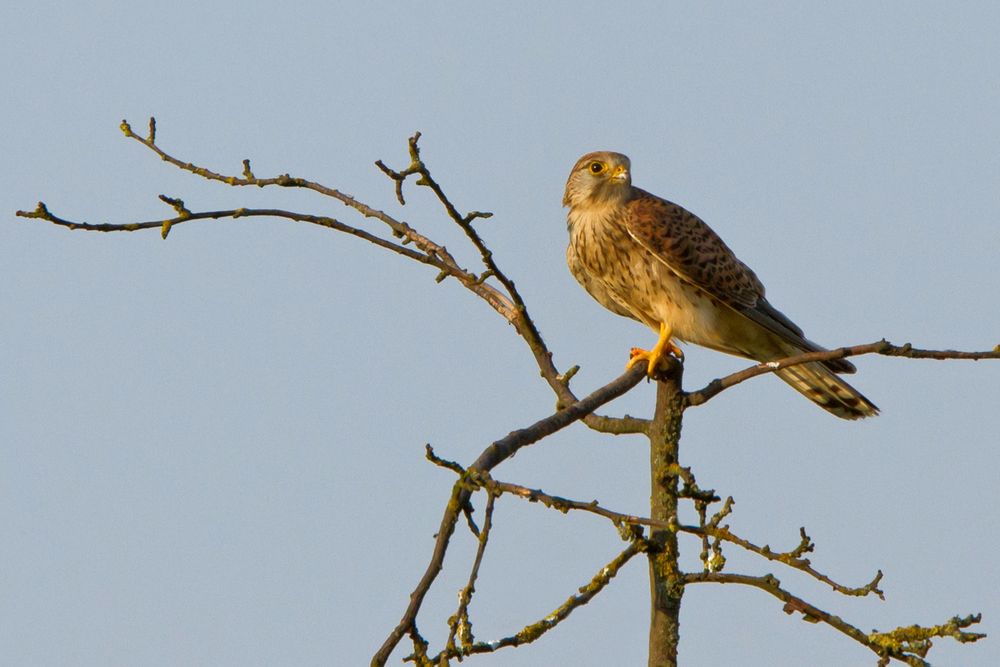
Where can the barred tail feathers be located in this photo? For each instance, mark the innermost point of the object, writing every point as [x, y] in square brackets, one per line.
[822, 386]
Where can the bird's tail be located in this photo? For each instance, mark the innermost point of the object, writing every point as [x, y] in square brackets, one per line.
[822, 386]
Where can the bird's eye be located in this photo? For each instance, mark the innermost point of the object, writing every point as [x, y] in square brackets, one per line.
[597, 167]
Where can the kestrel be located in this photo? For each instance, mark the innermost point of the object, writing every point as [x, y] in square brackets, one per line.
[651, 260]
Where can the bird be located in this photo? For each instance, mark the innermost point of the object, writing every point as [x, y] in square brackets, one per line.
[651, 260]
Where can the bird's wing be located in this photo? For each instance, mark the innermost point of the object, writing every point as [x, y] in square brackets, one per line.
[691, 250]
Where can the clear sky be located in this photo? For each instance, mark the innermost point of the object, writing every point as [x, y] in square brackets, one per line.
[211, 447]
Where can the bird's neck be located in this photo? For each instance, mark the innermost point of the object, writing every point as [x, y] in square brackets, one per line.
[593, 215]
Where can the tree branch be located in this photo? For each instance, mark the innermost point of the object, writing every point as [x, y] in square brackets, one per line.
[624, 425]
[459, 624]
[521, 320]
[882, 347]
[792, 558]
[908, 645]
[561, 504]
[535, 630]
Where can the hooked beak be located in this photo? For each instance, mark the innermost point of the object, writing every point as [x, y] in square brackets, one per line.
[620, 173]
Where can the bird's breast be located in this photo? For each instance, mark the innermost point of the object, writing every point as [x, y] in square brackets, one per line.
[628, 279]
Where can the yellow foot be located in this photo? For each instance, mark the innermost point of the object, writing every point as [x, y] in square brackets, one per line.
[664, 346]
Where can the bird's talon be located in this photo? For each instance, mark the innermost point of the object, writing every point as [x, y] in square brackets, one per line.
[638, 355]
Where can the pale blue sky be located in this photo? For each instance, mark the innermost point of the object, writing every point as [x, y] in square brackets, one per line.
[211, 447]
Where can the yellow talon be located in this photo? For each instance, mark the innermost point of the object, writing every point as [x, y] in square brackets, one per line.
[663, 346]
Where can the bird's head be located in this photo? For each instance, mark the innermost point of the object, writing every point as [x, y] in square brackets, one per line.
[599, 178]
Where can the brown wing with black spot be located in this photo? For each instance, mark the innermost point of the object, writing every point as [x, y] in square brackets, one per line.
[696, 254]
[690, 248]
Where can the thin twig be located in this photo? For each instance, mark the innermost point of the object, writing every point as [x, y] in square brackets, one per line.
[880, 643]
[522, 321]
[42, 212]
[561, 504]
[535, 630]
[459, 623]
[793, 558]
[400, 229]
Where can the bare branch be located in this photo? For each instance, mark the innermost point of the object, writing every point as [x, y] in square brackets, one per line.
[429, 252]
[399, 229]
[902, 644]
[792, 558]
[624, 425]
[522, 320]
[917, 639]
[506, 447]
[453, 466]
[459, 623]
[564, 505]
[467, 508]
[42, 212]
[248, 178]
[882, 347]
[535, 630]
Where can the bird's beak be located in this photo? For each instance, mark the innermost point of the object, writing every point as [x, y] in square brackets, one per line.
[620, 173]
